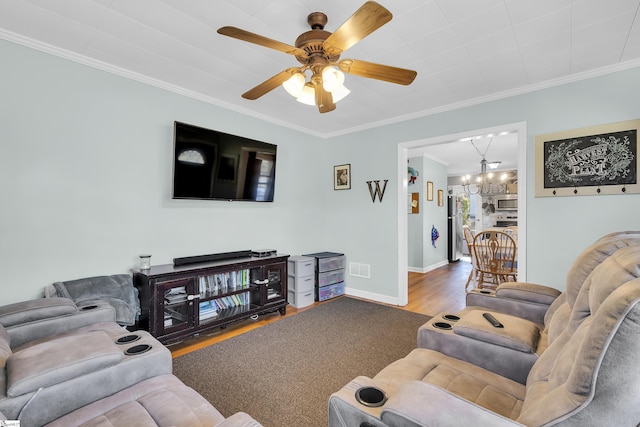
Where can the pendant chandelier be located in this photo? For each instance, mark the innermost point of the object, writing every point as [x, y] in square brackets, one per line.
[483, 182]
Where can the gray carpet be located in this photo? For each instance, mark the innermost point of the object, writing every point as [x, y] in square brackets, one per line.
[282, 374]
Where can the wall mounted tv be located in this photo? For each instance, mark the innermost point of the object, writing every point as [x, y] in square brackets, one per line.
[213, 165]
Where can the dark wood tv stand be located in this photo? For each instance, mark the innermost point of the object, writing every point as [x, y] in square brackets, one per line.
[178, 302]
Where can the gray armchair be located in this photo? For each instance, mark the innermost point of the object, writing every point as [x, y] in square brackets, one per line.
[64, 365]
[27, 321]
[589, 373]
[56, 357]
[518, 306]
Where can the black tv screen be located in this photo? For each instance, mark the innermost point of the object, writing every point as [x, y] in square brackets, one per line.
[213, 165]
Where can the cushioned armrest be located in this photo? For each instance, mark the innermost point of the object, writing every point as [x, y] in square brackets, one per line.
[422, 404]
[239, 419]
[517, 334]
[530, 292]
[56, 361]
[37, 309]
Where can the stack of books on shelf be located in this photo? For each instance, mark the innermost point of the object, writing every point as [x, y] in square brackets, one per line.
[224, 289]
[230, 305]
[175, 295]
[221, 283]
[208, 310]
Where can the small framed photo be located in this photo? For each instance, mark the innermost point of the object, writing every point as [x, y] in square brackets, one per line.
[342, 177]
[429, 190]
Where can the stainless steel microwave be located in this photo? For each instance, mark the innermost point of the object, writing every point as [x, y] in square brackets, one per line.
[506, 202]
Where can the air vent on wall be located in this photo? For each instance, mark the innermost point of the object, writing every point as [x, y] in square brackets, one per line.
[360, 270]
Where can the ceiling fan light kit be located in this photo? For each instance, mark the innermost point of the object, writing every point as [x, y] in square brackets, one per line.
[319, 52]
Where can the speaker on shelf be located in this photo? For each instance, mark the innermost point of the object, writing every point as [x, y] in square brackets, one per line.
[210, 257]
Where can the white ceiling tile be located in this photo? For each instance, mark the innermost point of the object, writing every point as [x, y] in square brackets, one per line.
[588, 11]
[503, 72]
[494, 44]
[632, 47]
[455, 58]
[435, 44]
[540, 68]
[544, 27]
[87, 12]
[522, 11]
[483, 24]
[547, 59]
[604, 39]
[465, 82]
[461, 10]
[427, 18]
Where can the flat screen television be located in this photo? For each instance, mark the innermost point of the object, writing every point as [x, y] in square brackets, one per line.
[213, 165]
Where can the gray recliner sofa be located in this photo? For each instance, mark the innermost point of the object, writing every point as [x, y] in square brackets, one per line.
[588, 375]
[67, 366]
[527, 311]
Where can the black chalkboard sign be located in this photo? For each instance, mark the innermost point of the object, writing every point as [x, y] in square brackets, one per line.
[593, 160]
[589, 161]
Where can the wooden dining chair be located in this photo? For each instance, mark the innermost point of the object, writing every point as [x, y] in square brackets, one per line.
[468, 237]
[495, 257]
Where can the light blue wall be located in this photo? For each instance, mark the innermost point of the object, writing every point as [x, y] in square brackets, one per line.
[415, 221]
[435, 216]
[86, 170]
[558, 228]
[422, 254]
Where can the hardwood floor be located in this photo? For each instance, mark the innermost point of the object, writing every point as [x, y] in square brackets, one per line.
[429, 293]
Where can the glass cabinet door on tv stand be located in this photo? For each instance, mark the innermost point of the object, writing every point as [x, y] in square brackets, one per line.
[175, 300]
[272, 281]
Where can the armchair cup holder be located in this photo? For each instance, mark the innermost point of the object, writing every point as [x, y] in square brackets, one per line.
[482, 291]
[451, 317]
[442, 325]
[88, 307]
[371, 396]
[137, 349]
[128, 339]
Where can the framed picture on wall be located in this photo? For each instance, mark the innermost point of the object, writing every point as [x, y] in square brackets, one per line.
[589, 161]
[342, 177]
[440, 198]
[429, 190]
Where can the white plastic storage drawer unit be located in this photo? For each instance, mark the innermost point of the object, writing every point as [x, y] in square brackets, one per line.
[301, 280]
[301, 299]
[329, 274]
[301, 266]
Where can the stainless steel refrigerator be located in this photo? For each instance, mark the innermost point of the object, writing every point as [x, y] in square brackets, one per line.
[454, 226]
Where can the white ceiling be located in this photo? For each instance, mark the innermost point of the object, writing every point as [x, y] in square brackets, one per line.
[463, 156]
[465, 51]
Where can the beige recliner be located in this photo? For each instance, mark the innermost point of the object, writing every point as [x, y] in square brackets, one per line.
[589, 374]
[527, 312]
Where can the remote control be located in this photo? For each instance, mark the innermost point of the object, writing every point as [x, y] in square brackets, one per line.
[492, 320]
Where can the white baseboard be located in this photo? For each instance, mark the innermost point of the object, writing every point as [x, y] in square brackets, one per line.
[429, 268]
[386, 299]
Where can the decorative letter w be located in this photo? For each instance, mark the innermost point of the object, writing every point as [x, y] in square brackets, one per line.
[377, 191]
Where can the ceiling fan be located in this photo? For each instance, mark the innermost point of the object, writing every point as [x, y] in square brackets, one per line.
[319, 53]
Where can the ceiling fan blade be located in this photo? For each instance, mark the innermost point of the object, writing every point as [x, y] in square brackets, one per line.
[324, 99]
[363, 22]
[237, 33]
[377, 71]
[269, 84]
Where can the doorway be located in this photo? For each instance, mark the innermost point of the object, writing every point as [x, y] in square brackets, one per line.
[402, 157]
